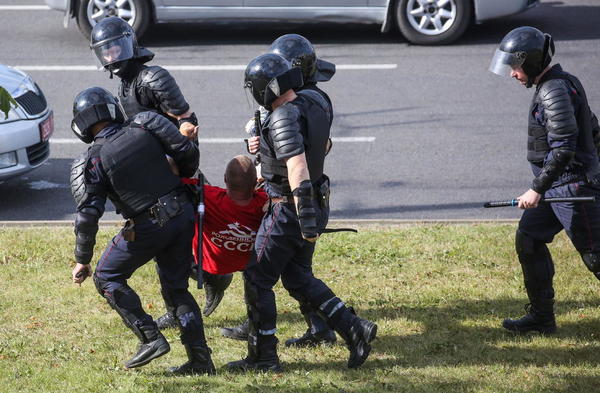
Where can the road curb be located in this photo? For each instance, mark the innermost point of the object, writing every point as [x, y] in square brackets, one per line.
[332, 223]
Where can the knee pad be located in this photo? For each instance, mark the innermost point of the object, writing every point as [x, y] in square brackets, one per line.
[592, 262]
[536, 261]
[526, 246]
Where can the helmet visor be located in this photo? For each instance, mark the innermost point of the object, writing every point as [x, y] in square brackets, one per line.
[113, 51]
[251, 96]
[503, 63]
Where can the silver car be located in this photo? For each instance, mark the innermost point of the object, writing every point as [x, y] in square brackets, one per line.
[426, 22]
[24, 134]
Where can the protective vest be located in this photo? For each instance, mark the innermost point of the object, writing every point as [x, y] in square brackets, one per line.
[315, 124]
[586, 154]
[135, 164]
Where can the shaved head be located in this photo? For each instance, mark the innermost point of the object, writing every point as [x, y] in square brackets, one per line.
[240, 175]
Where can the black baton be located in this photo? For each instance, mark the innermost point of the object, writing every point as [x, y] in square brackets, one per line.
[199, 272]
[515, 202]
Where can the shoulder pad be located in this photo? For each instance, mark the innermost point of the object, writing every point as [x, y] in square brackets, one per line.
[164, 89]
[555, 98]
[153, 74]
[284, 129]
[78, 188]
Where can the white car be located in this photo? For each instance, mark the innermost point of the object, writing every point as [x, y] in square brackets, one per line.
[425, 22]
[24, 134]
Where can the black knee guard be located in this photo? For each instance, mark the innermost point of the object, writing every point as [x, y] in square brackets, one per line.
[131, 313]
[592, 262]
[251, 297]
[536, 262]
[188, 316]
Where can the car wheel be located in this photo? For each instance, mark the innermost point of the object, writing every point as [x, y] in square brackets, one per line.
[134, 12]
[433, 22]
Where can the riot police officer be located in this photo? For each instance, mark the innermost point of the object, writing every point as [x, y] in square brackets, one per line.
[142, 88]
[300, 53]
[292, 146]
[126, 163]
[564, 161]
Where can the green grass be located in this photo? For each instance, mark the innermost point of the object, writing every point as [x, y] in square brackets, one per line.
[437, 292]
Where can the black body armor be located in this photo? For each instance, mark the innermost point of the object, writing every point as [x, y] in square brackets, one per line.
[300, 126]
[560, 109]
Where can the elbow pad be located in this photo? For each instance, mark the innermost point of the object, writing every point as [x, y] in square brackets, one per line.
[184, 152]
[86, 227]
[307, 215]
[560, 159]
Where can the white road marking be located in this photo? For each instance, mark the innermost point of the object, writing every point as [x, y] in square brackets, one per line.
[46, 185]
[345, 139]
[217, 67]
[24, 8]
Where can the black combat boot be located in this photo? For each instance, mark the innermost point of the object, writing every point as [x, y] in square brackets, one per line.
[535, 320]
[199, 361]
[239, 332]
[262, 355]
[153, 344]
[358, 333]
[539, 315]
[166, 321]
[317, 333]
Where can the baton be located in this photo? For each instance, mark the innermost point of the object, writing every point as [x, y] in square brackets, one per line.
[515, 202]
[199, 273]
[332, 230]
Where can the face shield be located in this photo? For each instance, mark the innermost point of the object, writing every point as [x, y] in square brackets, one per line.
[503, 63]
[251, 99]
[113, 50]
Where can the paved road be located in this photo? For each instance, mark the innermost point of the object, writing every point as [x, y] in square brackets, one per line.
[445, 133]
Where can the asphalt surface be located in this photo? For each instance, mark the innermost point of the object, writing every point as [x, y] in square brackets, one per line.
[446, 134]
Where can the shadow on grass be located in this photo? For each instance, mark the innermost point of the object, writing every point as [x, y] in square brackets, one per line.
[459, 334]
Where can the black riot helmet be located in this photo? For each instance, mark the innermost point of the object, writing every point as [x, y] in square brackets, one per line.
[298, 51]
[269, 76]
[92, 106]
[524, 47]
[114, 43]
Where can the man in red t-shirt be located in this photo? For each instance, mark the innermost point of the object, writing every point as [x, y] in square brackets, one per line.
[232, 217]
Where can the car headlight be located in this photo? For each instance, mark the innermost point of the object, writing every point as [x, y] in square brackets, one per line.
[8, 159]
[28, 84]
[12, 116]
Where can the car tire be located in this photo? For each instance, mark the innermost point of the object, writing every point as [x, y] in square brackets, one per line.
[441, 22]
[137, 14]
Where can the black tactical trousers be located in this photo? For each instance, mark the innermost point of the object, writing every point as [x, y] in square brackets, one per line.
[581, 221]
[280, 251]
[170, 245]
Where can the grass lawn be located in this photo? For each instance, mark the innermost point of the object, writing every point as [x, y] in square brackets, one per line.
[437, 292]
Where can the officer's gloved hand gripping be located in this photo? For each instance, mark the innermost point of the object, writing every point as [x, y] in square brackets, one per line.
[303, 196]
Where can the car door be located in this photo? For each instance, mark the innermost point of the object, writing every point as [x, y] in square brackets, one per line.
[202, 3]
[305, 3]
[177, 10]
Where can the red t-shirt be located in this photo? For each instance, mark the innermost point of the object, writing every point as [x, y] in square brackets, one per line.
[229, 230]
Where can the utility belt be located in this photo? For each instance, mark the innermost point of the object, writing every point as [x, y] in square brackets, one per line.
[166, 207]
[321, 193]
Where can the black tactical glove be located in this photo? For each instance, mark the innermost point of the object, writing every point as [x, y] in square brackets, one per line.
[307, 215]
